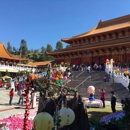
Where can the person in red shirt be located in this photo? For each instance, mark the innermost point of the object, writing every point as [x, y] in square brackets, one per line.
[11, 94]
[103, 96]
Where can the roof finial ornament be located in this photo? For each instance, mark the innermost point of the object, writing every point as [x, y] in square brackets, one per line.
[100, 21]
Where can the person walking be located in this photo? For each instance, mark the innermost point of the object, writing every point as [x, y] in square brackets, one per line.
[113, 102]
[103, 96]
[11, 94]
[20, 89]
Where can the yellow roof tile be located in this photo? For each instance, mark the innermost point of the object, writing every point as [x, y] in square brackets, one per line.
[43, 63]
[6, 55]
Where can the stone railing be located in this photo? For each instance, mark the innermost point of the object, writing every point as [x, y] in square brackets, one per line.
[118, 77]
[61, 68]
[3, 68]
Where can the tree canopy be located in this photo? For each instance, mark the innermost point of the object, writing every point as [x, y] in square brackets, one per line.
[23, 48]
[59, 45]
[43, 49]
[9, 47]
[49, 48]
[34, 54]
[68, 46]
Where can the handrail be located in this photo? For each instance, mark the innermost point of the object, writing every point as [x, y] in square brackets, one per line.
[79, 74]
[83, 81]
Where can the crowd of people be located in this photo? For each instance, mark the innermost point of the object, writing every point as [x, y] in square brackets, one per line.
[19, 87]
[93, 67]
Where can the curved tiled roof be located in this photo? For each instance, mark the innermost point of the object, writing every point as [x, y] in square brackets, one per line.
[39, 63]
[102, 27]
[6, 55]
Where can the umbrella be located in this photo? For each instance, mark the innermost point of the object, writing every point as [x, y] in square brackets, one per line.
[6, 77]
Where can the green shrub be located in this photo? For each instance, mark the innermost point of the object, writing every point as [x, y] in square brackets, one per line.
[0, 75]
[7, 73]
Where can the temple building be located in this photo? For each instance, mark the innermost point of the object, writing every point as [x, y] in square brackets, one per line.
[14, 64]
[8, 61]
[109, 39]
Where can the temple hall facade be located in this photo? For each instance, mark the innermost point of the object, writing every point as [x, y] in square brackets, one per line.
[109, 39]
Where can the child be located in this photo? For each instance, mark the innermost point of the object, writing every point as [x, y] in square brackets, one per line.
[11, 94]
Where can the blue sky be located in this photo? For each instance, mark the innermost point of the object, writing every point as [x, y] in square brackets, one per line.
[47, 21]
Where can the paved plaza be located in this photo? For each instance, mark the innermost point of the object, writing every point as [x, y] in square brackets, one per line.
[5, 109]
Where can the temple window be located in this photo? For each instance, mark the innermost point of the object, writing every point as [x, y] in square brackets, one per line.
[82, 41]
[110, 36]
[114, 36]
[77, 42]
[87, 41]
[103, 37]
[117, 35]
[96, 39]
[74, 43]
[99, 38]
[127, 33]
[91, 39]
[123, 33]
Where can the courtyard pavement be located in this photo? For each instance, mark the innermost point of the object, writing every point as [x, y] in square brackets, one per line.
[5, 109]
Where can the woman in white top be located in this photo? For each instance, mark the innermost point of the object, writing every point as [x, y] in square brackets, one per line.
[33, 103]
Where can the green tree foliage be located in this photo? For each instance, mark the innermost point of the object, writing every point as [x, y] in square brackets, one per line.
[0, 75]
[23, 48]
[7, 73]
[36, 51]
[59, 45]
[34, 55]
[68, 46]
[15, 51]
[9, 47]
[49, 48]
[43, 49]
[42, 57]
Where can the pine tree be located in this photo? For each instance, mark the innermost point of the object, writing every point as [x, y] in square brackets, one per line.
[49, 48]
[9, 47]
[7, 73]
[59, 45]
[23, 48]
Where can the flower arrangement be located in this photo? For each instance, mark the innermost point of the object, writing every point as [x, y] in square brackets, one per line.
[117, 116]
[126, 72]
[62, 64]
[116, 70]
[58, 65]
[55, 65]
[107, 61]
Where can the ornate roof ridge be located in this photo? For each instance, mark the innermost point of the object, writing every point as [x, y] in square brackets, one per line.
[108, 25]
[6, 54]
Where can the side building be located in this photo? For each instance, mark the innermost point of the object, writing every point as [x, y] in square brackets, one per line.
[109, 39]
[9, 62]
